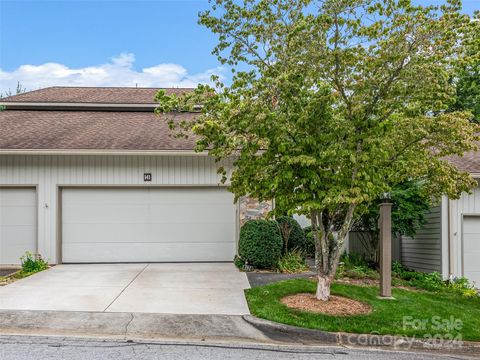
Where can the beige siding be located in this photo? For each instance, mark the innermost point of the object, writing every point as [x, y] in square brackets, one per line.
[356, 246]
[424, 252]
[468, 204]
[50, 171]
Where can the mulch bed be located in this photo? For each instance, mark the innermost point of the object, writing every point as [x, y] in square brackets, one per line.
[360, 282]
[336, 306]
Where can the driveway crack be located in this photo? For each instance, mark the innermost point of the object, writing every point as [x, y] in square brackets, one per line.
[128, 324]
[125, 288]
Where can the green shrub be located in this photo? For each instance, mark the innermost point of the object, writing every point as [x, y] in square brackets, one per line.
[238, 262]
[462, 286]
[354, 266]
[292, 262]
[296, 235]
[32, 263]
[433, 281]
[260, 243]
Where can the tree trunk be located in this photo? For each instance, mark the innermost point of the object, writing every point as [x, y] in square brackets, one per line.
[323, 287]
[327, 251]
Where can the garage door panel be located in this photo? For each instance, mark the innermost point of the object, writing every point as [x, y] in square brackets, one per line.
[18, 231]
[107, 196]
[471, 225]
[202, 213]
[191, 195]
[213, 232]
[17, 197]
[17, 215]
[108, 213]
[109, 233]
[471, 248]
[472, 261]
[151, 252]
[471, 242]
[148, 224]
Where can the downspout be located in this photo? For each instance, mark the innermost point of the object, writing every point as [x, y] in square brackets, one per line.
[451, 269]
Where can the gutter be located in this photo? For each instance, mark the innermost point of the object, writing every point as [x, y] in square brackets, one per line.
[101, 152]
[60, 106]
[66, 106]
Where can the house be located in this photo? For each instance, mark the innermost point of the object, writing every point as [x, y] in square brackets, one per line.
[449, 242]
[93, 175]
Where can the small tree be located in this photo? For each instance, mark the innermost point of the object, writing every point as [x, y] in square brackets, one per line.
[331, 104]
[410, 204]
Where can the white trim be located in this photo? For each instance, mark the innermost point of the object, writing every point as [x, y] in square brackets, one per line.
[100, 152]
[445, 250]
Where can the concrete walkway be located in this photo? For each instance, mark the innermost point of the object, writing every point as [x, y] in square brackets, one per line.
[195, 288]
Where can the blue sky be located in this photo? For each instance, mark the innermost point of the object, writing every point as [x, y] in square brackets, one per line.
[109, 42]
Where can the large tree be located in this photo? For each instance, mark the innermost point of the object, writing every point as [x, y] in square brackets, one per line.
[467, 74]
[331, 104]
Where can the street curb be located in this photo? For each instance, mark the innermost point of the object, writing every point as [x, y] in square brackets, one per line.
[289, 333]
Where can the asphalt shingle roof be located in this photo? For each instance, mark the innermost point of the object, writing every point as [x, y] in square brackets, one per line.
[98, 95]
[47, 128]
[109, 130]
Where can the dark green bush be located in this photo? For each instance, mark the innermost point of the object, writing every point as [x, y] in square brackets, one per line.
[296, 238]
[260, 243]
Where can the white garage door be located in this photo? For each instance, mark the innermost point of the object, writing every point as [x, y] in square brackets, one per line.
[147, 224]
[17, 224]
[471, 248]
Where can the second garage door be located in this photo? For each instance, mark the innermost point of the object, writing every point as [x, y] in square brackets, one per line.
[147, 224]
[471, 249]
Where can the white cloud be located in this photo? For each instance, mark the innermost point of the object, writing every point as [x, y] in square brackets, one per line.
[119, 71]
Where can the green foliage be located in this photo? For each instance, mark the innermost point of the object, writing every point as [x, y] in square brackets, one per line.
[239, 262]
[410, 204]
[32, 263]
[354, 266]
[462, 286]
[296, 236]
[260, 243]
[292, 262]
[309, 242]
[331, 104]
[433, 281]
[467, 76]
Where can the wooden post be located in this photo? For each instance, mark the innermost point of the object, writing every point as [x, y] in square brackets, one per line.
[385, 226]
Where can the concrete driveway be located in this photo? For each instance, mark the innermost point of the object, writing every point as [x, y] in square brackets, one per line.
[194, 288]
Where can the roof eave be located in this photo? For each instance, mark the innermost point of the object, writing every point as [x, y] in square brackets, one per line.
[77, 106]
[101, 152]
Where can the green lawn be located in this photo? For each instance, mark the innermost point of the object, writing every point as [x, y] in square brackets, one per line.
[387, 316]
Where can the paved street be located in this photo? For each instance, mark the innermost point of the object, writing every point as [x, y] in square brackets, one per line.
[38, 348]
